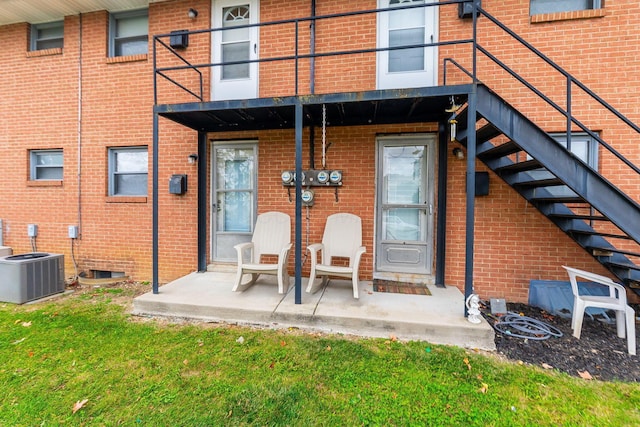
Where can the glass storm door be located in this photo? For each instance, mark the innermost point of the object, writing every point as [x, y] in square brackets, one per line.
[234, 198]
[405, 204]
[411, 67]
[234, 81]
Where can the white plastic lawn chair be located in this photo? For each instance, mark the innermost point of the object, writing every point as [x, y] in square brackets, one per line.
[342, 238]
[616, 300]
[271, 236]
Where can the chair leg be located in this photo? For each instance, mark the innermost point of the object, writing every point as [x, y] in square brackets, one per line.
[620, 322]
[239, 286]
[631, 330]
[578, 316]
[355, 287]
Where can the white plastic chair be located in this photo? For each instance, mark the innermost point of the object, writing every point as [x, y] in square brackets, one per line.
[342, 238]
[616, 300]
[271, 236]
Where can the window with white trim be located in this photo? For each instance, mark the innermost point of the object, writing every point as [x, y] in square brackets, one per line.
[45, 165]
[129, 33]
[583, 146]
[552, 6]
[128, 171]
[48, 35]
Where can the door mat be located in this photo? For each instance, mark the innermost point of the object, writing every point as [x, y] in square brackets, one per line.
[400, 287]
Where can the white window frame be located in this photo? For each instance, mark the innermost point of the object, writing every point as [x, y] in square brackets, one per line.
[592, 146]
[35, 168]
[113, 172]
[114, 39]
[51, 41]
[537, 7]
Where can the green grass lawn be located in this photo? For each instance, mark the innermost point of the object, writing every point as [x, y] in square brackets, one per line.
[85, 351]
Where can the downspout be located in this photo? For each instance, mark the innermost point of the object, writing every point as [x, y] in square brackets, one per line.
[79, 177]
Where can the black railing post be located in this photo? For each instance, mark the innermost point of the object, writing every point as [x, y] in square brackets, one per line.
[298, 225]
[154, 204]
[471, 193]
[202, 201]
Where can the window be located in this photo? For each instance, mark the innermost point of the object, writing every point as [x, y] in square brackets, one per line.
[582, 145]
[45, 165]
[552, 6]
[47, 36]
[128, 171]
[129, 33]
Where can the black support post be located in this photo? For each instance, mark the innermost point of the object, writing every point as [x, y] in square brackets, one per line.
[298, 225]
[471, 193]
[441, 227]
[202, 202]
[154, 204]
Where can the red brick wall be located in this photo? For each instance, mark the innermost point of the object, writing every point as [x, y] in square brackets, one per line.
[513, 242]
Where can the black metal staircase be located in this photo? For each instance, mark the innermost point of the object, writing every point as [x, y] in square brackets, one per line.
[595, 213]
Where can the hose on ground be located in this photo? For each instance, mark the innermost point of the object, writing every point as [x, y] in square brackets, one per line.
[515, 325]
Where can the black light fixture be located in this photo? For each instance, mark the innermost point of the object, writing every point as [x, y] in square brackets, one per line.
[458, 153]
[193, 158]
[192, 13]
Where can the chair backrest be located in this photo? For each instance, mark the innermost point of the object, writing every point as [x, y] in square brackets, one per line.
[342, 237]
[271, 233]
[615, 289]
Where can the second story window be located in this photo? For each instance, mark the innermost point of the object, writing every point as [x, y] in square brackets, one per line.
[553, 6]
[47, 36]
[129, 33]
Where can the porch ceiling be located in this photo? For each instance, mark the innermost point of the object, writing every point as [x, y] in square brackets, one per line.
[343, 109]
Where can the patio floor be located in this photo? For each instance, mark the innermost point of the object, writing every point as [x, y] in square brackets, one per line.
[437, 318]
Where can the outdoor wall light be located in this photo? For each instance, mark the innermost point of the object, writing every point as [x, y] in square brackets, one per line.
[193, 158]
[192, 13]
[458, 153]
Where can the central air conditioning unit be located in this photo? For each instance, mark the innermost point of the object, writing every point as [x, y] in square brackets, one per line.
[30, 276]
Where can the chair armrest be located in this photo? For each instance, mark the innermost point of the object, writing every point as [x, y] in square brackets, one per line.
[241, 248]
[314, 249]
[284, 255]
[356, 259]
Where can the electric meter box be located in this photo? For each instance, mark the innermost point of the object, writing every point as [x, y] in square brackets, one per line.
[313, 177]
[178, 184]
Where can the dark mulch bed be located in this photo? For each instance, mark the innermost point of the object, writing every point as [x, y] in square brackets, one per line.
[599, 353]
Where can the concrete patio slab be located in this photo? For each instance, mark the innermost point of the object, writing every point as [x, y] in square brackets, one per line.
[438, 318]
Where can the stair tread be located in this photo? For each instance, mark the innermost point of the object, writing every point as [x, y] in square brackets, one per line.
[486, 133]
[498, 151]
[519, 167]
[577, 216]
[558, 199]
[595, 233]
[547, 182]
[628, 265]
[618, 251]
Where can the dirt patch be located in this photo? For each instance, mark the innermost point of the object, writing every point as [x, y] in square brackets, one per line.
[599, 353]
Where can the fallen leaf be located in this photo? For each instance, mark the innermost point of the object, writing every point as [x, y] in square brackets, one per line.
[18, 341]
[585, 375]
[283, 343]
[547, 366]
[26, 324]
[393, 338]
[272, 365]
[79, 404]
[240, 340]
[185, 362]
[466, 362]
[484, 388]
[328, 348]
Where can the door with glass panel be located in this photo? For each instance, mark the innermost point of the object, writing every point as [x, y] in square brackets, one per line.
[233, 198]
[233, 43]
[404, 226]
[410, 67]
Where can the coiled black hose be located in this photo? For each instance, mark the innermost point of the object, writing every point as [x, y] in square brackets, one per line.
[515, 325]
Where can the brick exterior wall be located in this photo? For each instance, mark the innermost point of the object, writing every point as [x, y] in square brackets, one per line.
[39, 108]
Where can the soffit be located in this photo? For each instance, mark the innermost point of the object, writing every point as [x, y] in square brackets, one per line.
[38, 11]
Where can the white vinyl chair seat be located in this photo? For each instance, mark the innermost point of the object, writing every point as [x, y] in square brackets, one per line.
[616, 301]
[342, 238]
[271, 236]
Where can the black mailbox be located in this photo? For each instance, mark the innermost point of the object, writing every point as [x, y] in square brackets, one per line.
[179, 39]
[178, 184]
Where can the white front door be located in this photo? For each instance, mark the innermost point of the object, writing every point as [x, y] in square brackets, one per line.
[234, 197]
[411, 67]
[231, 44]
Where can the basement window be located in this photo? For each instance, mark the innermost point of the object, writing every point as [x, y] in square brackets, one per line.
[538, 7]
[45, 165]
[104, 274]
[49, 35]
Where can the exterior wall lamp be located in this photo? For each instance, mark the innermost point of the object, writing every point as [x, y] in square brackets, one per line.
[458, 153]
[192, 13]
[193, 158]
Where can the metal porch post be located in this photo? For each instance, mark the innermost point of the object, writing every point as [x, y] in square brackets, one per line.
[441, 231]
[298, 223]
[202, 202]
[154, 204]
[471, 193]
